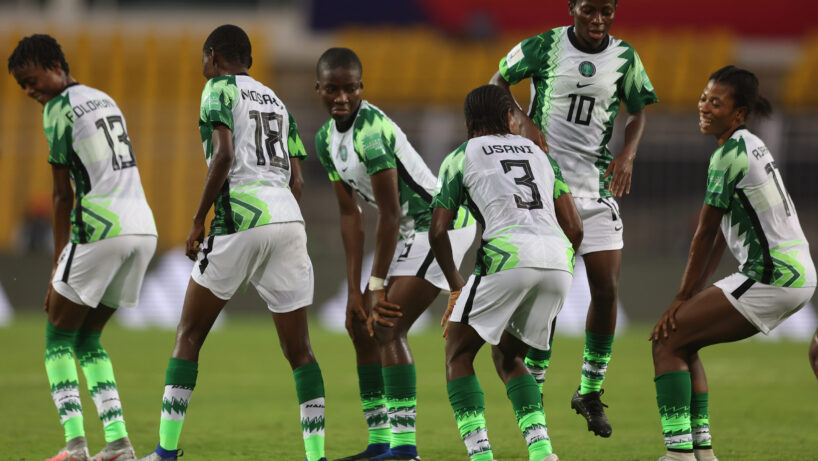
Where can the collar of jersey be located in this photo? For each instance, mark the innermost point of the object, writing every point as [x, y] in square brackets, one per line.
[572, 37]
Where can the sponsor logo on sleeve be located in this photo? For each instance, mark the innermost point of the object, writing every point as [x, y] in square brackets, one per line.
[515, 55]
[214, 102]
[715, 182]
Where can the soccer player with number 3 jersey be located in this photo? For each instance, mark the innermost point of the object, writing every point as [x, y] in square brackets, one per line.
[525, 264]
[580, 76]
[104, 234]
[748, 210]
[257, 236]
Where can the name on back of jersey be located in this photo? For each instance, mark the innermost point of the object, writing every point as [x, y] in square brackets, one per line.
[261, 98]
[89, 106]
[506, 149]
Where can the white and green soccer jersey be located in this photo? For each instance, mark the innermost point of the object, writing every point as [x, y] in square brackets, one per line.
[87, 133]
[576, 98]
[760, 224]
[265, 136]
[375, 143]
[509, 185]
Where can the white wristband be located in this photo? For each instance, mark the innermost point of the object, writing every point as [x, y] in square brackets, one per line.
[376, 283]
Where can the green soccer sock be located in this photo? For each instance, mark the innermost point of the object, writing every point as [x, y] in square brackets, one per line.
[99, 375]
[63, 378]
[401, 403]
[673, 393]
[527, 403]
[180, 379]
[595, 361]
[373, 401]
[468, 404]
[700, 421]
[309, 386]
[537, 362]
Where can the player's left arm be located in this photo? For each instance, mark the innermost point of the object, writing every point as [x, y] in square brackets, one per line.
[442, 246]
[296, 178]
[696, 269]
[222, 139]
[63, 201]
[621, 167]
[295, 148]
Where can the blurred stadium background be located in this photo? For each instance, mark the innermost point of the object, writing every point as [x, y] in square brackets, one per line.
[420, 58]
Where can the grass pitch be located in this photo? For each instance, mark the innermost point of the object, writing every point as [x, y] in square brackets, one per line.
[763, 398]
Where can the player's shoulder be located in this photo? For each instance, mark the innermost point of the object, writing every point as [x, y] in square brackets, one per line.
[323, 134]
[220, 83]
[371, 118]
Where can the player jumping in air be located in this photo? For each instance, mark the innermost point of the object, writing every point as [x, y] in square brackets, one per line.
[746, 208]
[104, 235]
[366, 152]
[524, 265]
[257, 235]
[580, 75]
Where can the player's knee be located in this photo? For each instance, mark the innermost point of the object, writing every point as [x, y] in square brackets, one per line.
[385, 334]
[505, 363]
[603, 294]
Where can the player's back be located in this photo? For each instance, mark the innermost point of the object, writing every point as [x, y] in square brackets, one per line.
[511, 185]
[88, 134]
[761, 227]
[257, 188]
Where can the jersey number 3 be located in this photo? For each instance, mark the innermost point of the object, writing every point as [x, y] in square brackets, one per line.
[526, 180]
[119, 159]
[272, 140]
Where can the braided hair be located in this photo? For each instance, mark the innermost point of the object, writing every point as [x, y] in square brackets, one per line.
[232, 43]
[39, 49]
[745, 89]
[485, 110]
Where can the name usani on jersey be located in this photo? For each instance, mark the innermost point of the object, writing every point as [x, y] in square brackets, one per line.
[89, 106]
[507, 149]
[261, 98]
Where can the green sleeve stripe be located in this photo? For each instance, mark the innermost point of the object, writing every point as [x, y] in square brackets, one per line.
[218, 98]
[322, 149]
[635, 86]
[295, 145]
[728, 166]
[560, 186]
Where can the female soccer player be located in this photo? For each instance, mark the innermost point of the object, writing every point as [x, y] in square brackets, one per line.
[524, 266]
[104, 237]
[580, 75]
[257, 236]
[364, 151]
[746, 197]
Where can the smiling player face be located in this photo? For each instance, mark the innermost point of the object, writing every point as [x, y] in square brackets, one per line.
[592, 20]
[718, 115]
[340, 90]
[39, 83]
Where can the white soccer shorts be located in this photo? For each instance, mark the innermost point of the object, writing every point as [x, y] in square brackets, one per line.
[108, 272]
[765, 306]
[415, 258]
[523, 301]
[272, 257]
[601, 223]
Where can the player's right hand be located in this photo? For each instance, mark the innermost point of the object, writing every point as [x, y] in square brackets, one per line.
[449, 308]
[667, 323]
[194, 240]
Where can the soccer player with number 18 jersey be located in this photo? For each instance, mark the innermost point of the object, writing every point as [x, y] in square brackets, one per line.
[580, 76]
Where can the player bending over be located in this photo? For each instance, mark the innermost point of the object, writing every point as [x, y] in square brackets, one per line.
[257, 236]
[531, 231]
[580, 75]
[747, 199]
[366, 152]
[105, 238]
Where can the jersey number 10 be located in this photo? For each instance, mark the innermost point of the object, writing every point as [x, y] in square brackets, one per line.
[272, 143]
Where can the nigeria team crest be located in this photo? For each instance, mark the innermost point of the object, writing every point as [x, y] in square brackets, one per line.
[343, 154]
[587, 69]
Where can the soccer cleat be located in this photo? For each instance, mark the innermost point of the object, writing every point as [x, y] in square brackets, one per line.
[373, 449]
[591, 407]
[75, 450]
[409, 452]
[551, 457]
[704, 454]
[160, 454]
[118, 450]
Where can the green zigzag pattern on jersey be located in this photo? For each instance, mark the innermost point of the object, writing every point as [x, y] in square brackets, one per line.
[107, 223]
[371, 120]
[58, 127]
[451, 177]
[637, 80]
[605, 156]
[551, 41]
[322, 147]
[295, 146]
[499, 254]
[788, 271]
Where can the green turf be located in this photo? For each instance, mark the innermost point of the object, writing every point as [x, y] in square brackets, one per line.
[763, 398]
